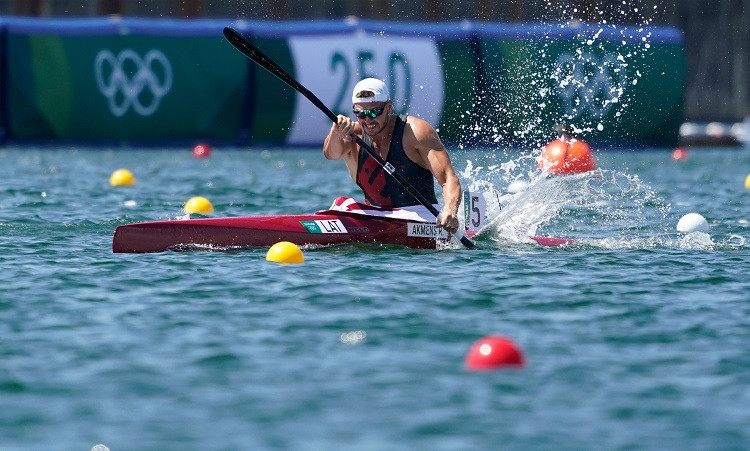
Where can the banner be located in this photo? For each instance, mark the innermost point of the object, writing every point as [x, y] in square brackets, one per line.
[330, 66]
[160, 81]
[78, 85]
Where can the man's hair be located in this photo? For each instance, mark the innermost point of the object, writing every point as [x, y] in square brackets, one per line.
[365, 94]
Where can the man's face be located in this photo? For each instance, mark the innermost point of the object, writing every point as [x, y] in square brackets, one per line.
[365, 112]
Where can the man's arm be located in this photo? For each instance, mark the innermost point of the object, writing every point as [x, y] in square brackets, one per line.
[339, 143]
[433, 153]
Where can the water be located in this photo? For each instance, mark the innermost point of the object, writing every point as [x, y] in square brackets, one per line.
[634, 336]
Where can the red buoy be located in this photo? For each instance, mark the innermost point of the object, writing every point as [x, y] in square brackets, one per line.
[492, 352]
[679, 154]
[201, 151]
[566, 157]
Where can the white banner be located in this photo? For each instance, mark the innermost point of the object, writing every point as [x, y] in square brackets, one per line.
[330, 66]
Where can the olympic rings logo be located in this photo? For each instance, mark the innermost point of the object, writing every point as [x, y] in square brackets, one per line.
[587, 83]
[122, 79]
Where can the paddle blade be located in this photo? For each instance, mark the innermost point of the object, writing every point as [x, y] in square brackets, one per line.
[254, 53]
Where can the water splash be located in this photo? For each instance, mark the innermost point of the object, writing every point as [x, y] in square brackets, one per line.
[605, 205]
[582, 70]
[605, 209]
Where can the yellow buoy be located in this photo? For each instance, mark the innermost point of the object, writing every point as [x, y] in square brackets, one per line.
[198, 204]
[122, 177]
[747, 181]
[285, 252]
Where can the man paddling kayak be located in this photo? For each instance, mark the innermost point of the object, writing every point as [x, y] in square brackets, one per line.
[408, 143]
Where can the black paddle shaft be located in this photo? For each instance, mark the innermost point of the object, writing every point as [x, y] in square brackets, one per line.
[254, 53]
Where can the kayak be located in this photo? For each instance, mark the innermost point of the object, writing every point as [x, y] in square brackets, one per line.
[345, 222]
[325, 228]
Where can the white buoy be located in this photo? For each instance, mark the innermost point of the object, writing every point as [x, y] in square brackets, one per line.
[692, 222]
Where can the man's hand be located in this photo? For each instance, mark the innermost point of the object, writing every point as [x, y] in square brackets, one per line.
[448, 220]
[343, 128]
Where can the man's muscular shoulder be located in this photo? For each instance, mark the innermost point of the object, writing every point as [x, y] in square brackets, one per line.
[418, 133]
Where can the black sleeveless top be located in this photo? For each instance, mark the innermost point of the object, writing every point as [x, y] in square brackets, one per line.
[382, 189]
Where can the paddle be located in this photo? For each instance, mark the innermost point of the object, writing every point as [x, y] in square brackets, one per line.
[252, 52]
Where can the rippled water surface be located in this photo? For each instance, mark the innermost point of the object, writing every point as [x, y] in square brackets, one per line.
[635, 336]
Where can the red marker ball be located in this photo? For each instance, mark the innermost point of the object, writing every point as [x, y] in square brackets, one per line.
[679, 154]
[493, 352]
[201, 151]
[567, 157]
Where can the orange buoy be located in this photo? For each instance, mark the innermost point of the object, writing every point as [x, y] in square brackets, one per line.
[566, 157]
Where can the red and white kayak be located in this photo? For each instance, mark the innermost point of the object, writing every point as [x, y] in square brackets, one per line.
[347, 222]
[322, 228]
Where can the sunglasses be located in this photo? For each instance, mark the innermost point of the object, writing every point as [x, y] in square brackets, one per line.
[372, 113]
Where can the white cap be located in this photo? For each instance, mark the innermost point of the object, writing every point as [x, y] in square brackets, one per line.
[373, 85]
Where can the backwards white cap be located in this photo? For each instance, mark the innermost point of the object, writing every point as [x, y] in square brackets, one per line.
[373, 85]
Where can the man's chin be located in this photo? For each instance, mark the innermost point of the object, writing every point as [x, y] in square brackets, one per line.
[374, 131]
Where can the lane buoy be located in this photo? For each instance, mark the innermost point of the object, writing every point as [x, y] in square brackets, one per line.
[199, 205]
[285, 252]
[692, 222]
[122, 177]
[747, 181]
[202, 151]
[493, 352]
[566, 157]
[679, 154]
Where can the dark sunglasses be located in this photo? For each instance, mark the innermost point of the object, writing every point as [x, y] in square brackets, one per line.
[373, 113]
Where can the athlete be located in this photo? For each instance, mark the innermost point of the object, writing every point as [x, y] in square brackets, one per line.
[408, 143]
